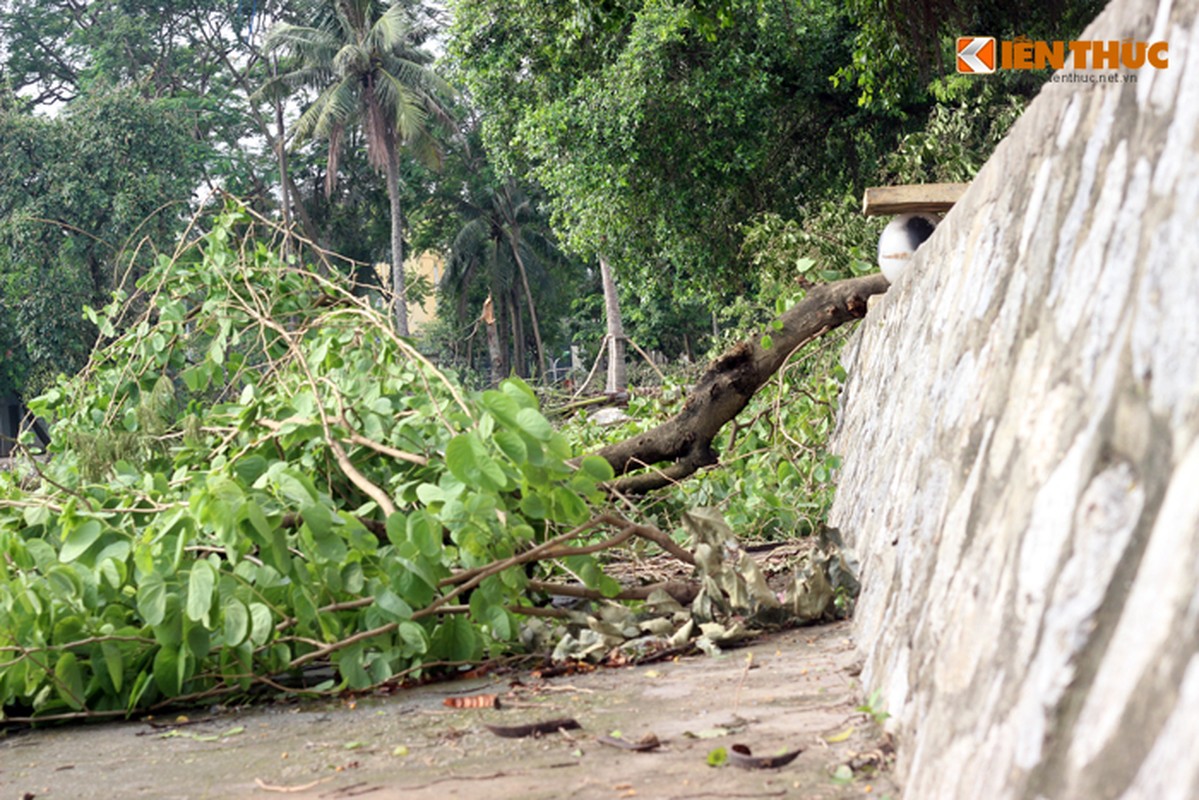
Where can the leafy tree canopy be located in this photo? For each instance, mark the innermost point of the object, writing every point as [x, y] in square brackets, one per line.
[656, 130]
[84, 199]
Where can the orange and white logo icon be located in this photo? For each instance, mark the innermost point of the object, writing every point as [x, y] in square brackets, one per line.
[976, 54]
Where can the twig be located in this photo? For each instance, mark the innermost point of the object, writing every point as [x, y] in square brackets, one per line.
[594, 367]
[648, 360]
[386, 450]
[749, 661]
[303, 787]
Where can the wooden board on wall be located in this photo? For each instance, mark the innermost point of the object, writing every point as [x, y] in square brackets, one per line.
[932, 198]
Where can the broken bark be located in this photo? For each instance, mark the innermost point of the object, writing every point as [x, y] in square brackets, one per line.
[726, 388]
[617, 379]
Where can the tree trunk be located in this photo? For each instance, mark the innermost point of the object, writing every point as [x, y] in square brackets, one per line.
[729, 383]
[495, 359]
[518, 336]
[617, 380]
[399, 294]
[281, 157]
[524, 279]
[502, 326]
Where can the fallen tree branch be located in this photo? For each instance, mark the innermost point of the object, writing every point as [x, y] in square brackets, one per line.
[726, 388]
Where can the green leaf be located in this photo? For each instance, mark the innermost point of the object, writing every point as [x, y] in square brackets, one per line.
[236, 622]
[568, 506]
[519, 391]
[258, 521]
[152, 599]
[198, 640]
[397, 528]
[140, 684]
[170, 631]
[200, 583]
[430, 493]
[468, 461]
[424, 531]
[250, 468]
[500, 621]
[393, 606]
[609, 587]
[167, 671]
[261, 624]
[415, 639]
[512, 445]
[502, 407]
[533, 506]
[597, 468]
[532, 423]
[349, 664]
[718, 757]
[69, 680]
[318, 518]
[113, 663]
[79, 540]
[197, 378]
[64, 582]
[329, 546]
[295, 487]
[455, 639]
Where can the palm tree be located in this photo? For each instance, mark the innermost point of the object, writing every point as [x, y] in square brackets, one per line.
[364, 59]
[502, 240]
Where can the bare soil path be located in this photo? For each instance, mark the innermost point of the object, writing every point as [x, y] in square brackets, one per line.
[790, 690]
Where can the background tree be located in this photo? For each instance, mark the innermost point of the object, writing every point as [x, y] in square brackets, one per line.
[496, 234]
[658, 129]
[365, 60]
[86, 199]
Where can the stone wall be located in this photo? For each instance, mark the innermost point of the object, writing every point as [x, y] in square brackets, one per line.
[1021, 458]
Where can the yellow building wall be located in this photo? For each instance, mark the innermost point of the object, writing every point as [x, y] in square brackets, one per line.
[430, 266]
[427, 267]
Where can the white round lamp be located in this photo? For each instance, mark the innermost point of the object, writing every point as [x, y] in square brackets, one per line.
[899, 241]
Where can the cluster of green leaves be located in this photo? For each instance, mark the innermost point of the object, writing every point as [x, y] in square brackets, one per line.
[956, 139]
[832, 243]
[658, 130]
[903, 51]
[84, 198]
[256, 476]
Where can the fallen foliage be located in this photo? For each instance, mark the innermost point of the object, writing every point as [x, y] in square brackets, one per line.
[255, 480]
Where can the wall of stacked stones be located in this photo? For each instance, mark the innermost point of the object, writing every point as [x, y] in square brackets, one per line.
[1020, 443]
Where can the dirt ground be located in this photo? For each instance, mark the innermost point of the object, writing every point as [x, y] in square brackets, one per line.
[790, 690]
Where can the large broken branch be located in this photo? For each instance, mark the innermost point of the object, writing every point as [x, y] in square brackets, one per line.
[685, 440]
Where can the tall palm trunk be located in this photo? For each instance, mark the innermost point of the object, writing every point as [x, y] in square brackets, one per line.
[617, 379]
[281, 158]
[524, 279]
[518, 336]
[503, 324]
[398, 289]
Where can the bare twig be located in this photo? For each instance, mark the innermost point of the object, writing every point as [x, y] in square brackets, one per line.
[648, 360]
